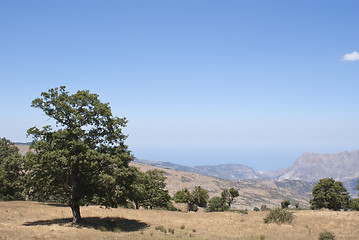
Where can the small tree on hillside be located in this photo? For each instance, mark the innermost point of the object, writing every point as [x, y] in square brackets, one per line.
[285, 204]
[198, 197]
[11, 163]
[85, 158]
[228, 195]
[217, 204]
[154, 194]
[329, 194]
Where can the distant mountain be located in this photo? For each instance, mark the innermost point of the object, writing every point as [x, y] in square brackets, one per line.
[224, 171]
[253, 193]
[313, 166]
[310, 167]
[342, 166]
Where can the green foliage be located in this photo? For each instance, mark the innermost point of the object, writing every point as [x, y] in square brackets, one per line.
[256, 209]
[329, 194]
[216, 204]
[198, 197]
[296, 205]
[182, 196]
[279, 216]
[155, 195]
[326, 235]
[11, 172]
[285, 204]
[354, 204]
[84, 159]
[228, 195]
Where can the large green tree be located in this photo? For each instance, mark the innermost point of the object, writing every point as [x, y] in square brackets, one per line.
[11, 173]
[328, 193]
[83, 159]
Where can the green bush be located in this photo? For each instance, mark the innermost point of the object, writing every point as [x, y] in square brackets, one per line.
[279, 216]
[256, 209]
[216, 204]
[354, 204]
[325, 235]
[285, 204]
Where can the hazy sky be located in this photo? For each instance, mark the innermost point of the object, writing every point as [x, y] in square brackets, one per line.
[200, 81]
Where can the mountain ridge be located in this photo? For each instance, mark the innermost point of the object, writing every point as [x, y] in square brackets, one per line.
[310, 167]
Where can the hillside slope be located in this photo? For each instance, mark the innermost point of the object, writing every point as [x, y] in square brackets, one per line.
[313, 166]
[225, 171]
[252, 193]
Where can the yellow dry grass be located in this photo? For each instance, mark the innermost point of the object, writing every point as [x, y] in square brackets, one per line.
[32, 220]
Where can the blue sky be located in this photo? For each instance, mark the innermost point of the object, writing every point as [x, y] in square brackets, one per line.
[201, 82]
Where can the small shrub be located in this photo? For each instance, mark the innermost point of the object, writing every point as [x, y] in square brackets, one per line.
[194, 230]
[279, 216]
[296, 205]
[262, 237]
[285, 204]
[161, 228]
[264, 207]
[256, 209]
[325, 235]
[243, 211]
[182, 227]
[171, 230]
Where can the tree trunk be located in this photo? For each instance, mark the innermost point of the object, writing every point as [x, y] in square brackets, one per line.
[137, 205]
[76, 216]
[74, 196]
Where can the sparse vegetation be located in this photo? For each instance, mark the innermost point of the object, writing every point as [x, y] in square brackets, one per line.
[326, 235]
[256, 209]
[161, 229]
[171, 230]
[279, 216]
[264, 208]
[46, 221]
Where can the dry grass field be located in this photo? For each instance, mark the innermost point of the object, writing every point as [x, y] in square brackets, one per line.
[32, 220]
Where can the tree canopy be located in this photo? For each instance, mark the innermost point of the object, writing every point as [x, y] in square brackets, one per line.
[198, 197]
[150, 190]
[83, 159]
[11, 163]
[328, 193]
[228, 195]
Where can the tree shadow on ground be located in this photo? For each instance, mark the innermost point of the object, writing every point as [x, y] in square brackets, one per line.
[111, 224]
